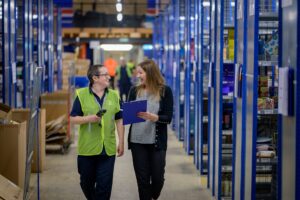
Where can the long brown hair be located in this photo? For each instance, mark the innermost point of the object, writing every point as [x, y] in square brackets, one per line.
[154, 80]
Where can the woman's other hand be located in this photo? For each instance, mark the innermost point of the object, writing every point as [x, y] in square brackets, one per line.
[93, 118]
[148, 116]
[120, 150]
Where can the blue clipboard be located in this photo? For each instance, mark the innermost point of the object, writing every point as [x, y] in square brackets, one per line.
[131, 109]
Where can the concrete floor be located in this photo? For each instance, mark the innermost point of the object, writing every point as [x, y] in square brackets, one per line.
[60, 180]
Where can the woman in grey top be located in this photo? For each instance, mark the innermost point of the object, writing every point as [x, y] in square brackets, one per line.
[148, 140]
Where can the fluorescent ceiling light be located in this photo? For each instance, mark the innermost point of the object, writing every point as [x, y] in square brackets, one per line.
[118, 0]
[119, 7]
[232, 4]
[182, 18]
[119, 17]
[206, 3]
[147, 47]
[116, 47]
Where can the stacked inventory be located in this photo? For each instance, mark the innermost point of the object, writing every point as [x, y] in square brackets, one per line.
[205, 41]
[267, 102]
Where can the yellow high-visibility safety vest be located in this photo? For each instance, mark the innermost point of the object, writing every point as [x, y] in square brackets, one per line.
[92, 136]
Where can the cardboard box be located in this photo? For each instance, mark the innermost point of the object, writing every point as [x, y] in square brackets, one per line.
[56, 104]
[13, 152]
[9, 191]
[21, 115]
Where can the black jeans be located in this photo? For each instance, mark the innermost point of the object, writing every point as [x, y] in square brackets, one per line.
[149, 166]
[96, 176]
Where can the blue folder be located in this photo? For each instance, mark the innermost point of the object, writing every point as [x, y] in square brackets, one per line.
[131, 109]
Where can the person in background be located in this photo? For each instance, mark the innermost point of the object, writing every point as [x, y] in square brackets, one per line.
[124, 74]
[130, 64]
[97, 110]
[148, 140]
[111, 65]
[134, 78]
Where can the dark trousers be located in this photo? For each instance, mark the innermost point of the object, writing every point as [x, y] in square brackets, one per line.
[96, 176]
[149, 166]
[124, 90]
[112, 82]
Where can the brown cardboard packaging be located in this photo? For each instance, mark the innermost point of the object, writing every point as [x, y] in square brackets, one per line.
[9, 191]
[56, 104]
[13, 152]
[21, 115]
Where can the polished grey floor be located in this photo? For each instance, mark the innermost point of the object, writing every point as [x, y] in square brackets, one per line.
[60, 180]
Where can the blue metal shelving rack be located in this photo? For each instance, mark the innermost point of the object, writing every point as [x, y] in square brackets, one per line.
[224, 72]
[59, 48]
[252, 19]
[182, 65]
[196, 80]
[189, 121]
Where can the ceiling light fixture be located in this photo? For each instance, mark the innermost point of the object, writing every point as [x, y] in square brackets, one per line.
[206, 3]
[116, 47]
[119, 17]
[119, 7]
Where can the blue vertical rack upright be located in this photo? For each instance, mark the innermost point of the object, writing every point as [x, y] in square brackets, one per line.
[240, 100]
[27, 73]
[211, 98]
[59, 48]
[290, 148]
[189, 98]
[196, 77]
[9, 53]
[224, 77]
[5, 96]
[176, 88]
[182, 65]
[257, 177]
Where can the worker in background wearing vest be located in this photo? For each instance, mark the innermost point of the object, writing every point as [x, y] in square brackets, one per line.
[97, 110]
[111, 65]
[124, 74]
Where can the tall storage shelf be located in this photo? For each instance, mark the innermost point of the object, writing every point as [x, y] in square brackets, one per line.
[257, 149]
[212, 100]
[189, 100]
[225, 68]
[224, 82]
[203, 83]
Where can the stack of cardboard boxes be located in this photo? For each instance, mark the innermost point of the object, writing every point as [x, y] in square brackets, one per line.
[57, 106]
[73, 67]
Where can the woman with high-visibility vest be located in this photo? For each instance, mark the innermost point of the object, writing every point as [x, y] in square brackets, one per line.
[97, 110]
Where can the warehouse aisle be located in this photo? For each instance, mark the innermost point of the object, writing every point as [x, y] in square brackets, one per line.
[60, 180]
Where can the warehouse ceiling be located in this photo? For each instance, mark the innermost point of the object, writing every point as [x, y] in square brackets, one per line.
[134, 11]
[130, 7]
